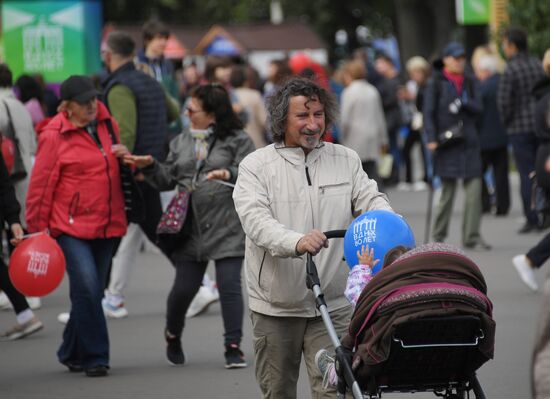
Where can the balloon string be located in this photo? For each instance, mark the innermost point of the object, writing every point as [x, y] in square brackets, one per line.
[33, 235]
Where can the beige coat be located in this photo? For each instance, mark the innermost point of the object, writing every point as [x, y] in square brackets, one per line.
[253, 102]
[362, 120]
[277, 206]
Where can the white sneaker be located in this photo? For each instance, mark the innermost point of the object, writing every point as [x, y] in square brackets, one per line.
[525, 271]
[34, 302]
[420, 186]
[204, 298]
[5, 303]
[22, 330]
[403, 186]
[325, 364]
[63, 318]
[114, 312]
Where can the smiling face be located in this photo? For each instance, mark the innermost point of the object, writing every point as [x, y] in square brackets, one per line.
[305, 123]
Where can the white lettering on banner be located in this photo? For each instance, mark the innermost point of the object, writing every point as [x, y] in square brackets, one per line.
[364, 231]
[38, 263]
[43, 47]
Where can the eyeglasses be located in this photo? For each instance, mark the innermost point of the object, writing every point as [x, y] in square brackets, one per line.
[192, 111]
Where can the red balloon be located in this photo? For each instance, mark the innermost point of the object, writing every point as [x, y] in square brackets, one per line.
[37, 266]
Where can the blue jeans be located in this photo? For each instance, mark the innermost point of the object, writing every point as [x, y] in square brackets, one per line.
[524, 147]
[85, 339]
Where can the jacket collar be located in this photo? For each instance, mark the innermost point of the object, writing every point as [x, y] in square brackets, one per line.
[296, 156]
[129, 66]
[67, 125]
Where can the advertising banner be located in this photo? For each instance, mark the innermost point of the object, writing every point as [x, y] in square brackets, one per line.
[55, 38]
[473, 12]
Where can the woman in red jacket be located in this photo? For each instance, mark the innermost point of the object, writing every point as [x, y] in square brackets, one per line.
[75, 192]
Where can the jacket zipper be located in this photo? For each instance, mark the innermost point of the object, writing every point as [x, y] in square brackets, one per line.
[261, 268]
[73, 206]
[98, 143]
[312, 212]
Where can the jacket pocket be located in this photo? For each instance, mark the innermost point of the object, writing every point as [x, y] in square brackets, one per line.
[261, 269]
[336, 188]
[73, 207]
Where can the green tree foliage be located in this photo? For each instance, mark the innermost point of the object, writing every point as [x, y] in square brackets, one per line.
[326, 16]
[532, 15]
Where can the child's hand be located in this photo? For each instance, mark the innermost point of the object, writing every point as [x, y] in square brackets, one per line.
[366, 256]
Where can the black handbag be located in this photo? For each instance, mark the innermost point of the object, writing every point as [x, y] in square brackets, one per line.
[451, 136]
[134, 205]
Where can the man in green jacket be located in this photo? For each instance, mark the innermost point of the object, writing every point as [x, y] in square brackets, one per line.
[142, 109]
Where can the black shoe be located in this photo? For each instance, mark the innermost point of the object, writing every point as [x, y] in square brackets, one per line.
[234, 358]
[174, 353]
[528, 228]
[97, 371]
[73, 367]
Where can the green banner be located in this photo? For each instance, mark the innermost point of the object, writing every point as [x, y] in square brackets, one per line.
[473, 12]
[54, 38]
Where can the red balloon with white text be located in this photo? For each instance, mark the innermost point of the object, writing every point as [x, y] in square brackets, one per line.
[37, 266]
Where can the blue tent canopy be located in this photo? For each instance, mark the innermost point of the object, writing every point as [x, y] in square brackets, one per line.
[222, 46]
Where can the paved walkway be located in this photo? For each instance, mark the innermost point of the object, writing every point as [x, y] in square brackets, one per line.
[29, 370]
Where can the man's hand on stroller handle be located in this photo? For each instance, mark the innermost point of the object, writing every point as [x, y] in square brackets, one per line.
[312, 242]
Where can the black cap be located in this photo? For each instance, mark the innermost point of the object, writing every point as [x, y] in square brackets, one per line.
[454, 49]
[78, 88]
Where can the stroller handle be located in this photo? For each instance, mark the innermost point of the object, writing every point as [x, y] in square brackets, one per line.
[335, 233]
[313, 283]
[312, 278]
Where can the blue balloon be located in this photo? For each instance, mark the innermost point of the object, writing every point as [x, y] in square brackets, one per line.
[381, 230]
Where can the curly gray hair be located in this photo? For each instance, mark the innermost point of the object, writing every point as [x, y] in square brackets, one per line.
[277, 104]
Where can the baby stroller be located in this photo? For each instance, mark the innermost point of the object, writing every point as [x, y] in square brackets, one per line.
[422, 324]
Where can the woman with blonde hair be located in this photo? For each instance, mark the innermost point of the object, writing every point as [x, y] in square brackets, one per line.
[75, 192]
[418, 70]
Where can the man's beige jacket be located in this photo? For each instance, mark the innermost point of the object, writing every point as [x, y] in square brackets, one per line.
[280, 196]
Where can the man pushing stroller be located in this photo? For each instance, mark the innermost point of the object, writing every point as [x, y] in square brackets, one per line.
[287, 194]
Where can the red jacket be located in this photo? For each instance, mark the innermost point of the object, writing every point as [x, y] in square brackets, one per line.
[75, 188]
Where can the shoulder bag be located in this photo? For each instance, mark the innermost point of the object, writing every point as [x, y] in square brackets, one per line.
[173, 219]
[451, 136]
[134, 204]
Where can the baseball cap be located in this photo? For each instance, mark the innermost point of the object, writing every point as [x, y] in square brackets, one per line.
[78, 88]
[454, 49]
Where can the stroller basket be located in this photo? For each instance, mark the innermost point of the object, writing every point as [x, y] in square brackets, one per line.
[436, 332]
[431, 354]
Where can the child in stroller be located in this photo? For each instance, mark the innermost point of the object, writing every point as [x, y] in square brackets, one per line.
[422, 324]
[359, 276]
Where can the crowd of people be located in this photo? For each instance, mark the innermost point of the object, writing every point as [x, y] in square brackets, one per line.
[195, 140]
